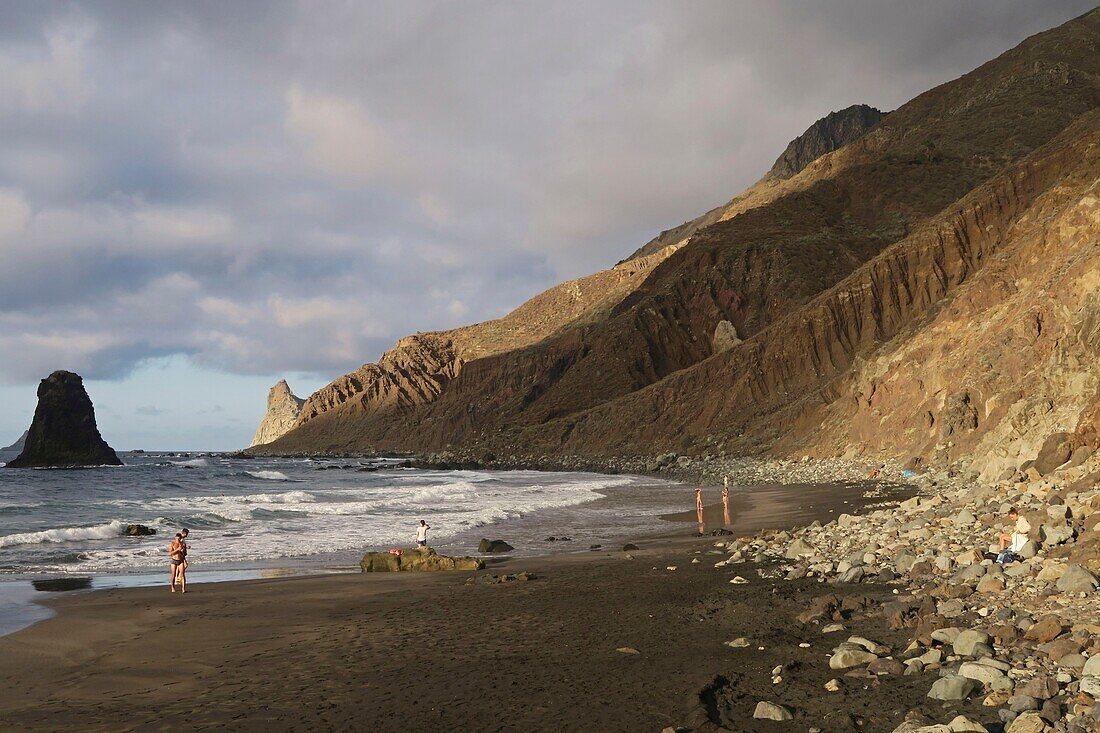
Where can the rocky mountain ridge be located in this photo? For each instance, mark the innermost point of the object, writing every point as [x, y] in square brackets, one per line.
[855, 288]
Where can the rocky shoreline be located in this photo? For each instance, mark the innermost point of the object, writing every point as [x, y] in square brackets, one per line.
[1013, 648]
[707, 469]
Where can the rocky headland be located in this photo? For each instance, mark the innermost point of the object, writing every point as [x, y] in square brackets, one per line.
[283, 408]
[63, 433]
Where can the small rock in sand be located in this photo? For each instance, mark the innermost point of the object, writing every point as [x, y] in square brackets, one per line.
[627, 650]
[738, 643]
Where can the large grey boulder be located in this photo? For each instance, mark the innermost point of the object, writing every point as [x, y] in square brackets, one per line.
[966, 641]
[989, 676]
[846, 658]
[1055, 534]
[770, 711]
[1077, 579]
[798, 549]
[952, 687]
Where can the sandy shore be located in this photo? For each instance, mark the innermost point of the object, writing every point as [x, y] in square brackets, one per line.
[433, 652]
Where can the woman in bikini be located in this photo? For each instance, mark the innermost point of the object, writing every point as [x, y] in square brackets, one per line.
[176, 555]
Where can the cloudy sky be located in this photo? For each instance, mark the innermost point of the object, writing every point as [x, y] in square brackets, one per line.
[199, 198]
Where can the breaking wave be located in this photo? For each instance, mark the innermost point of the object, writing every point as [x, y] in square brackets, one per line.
[67, 534]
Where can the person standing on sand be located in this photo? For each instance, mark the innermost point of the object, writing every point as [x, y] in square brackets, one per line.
[181, 566]
[422, 534]
[175, 559]
[726, 502]
[699, 509]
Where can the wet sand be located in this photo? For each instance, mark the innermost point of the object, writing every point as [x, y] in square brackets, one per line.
[431, 652]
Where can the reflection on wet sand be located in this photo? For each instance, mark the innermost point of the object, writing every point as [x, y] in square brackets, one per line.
[57, 585]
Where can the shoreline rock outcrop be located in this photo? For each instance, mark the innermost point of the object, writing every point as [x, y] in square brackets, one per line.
[283, 409]
[418, 560]
[63, 433]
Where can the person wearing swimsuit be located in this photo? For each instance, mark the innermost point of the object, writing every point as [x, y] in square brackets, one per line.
[175, 559]
[177, 551]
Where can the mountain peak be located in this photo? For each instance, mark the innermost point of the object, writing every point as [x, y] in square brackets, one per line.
[833, 131]
[283, 408]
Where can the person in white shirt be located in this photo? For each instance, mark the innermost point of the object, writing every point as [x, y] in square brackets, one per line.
[422, 534]
[1017, 538]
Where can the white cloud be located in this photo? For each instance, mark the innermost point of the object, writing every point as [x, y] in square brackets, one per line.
[15, 213]
[47, 75]
[339, 136]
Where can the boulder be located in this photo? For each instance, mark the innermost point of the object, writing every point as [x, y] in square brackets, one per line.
[1076, 579]
[1056, 450]
[770, 711]
[420, 560]
[963, 724]
[63, 433]
[988, 676]
[990, 584]
[967, 640]
[1027, 723]
[725, 337]
[797, 549]
[1090, 686]
[1045, 629]
[487, 546]
[139, 530]
[886, 667]
[1092, 666]
[952, 687]
[1055, 534]
[846, 658]
[1041, 688]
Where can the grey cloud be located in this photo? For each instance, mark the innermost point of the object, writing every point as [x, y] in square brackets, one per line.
[276, 186]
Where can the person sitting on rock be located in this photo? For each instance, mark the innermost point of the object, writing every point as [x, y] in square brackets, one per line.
[1017, 538]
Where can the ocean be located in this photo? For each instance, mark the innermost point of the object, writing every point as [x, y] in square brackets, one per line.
[302, 514]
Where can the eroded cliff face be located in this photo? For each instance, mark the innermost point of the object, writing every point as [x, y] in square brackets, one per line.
[283, 409]
[927, 291]
[420, 367]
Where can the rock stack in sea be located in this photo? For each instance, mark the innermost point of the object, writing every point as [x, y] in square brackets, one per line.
[283, 408]
[63, 432]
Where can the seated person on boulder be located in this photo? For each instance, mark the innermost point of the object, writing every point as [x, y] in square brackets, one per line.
[1015, 540]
